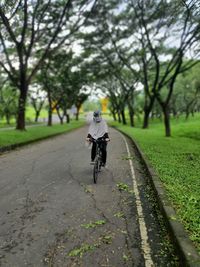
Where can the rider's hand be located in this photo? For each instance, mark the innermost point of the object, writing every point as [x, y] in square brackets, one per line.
[88, 139]
[107, 139]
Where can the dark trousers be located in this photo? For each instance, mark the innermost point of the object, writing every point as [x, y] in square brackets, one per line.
[103, 150]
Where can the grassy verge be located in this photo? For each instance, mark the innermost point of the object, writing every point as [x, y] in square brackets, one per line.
[10, 137]
[13, 124]
[177, 162]
[30, 118]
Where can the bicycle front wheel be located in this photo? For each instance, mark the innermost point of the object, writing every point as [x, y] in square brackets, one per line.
[96, 171]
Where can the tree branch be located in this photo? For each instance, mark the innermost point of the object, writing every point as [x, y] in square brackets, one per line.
[8, 27]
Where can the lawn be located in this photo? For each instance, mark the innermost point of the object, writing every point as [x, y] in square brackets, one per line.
[30, 117]
[10, 137]
[177, 162]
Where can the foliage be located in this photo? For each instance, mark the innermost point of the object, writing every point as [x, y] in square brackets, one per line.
[186, 97]
[8, 102]
[90, 105]
[93, 224]
[119, 215]
[124, 187]
[80, 251]
[30, 114]
[64, 84]
[29, 32]
[132, 42]
[37, 100]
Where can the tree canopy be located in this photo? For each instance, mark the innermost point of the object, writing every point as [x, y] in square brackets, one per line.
[135, 51]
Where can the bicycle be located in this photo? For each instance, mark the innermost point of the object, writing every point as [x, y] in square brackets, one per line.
[98, 158]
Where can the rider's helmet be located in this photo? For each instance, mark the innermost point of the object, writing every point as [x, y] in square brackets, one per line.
[97, 116]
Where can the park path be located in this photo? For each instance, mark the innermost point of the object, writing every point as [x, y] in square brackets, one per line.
[51, 213]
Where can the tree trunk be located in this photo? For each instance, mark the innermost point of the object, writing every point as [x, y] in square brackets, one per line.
[78, 107]
[131, 115]
[114, 116]
[147, 110]
[165, 109]
[67, 118]
[187, 113]
[59, 114]
[49, 123]
[37, 115]
[8, 119]
[123, 117]
[21, 108]
[174, 112]
[77, 115]
[119, 117]
[146, 119]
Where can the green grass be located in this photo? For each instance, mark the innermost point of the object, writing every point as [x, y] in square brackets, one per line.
[30, 113]
[10, 137]
[30, 117]
[177, 162]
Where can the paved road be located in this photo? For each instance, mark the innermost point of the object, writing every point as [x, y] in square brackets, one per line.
[51, 213]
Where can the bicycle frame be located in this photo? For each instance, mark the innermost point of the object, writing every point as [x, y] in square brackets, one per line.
[98, 158]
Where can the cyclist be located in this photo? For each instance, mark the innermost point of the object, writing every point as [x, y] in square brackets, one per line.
[98, 129]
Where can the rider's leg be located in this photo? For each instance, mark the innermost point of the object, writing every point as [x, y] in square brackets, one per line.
[104, 153]
[93, 151]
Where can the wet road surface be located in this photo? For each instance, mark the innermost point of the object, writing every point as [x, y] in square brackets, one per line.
[52, 214]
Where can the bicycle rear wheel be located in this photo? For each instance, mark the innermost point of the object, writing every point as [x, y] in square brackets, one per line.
[96, 171]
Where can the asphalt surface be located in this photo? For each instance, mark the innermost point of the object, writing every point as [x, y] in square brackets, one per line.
[52, 214]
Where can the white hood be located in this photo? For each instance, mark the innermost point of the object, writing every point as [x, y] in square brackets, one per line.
[97, 130]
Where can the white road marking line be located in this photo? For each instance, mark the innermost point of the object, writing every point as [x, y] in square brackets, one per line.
[143, 229]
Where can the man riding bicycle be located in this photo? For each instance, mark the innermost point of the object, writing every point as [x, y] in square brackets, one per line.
[98, 129]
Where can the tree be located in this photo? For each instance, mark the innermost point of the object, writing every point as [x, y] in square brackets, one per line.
[156, 23]
[8, 102]
[48, 79]
[147, 28]
[63, 82]
[186, 95]
[30, 29]
[80, 99]
[37, 99]
[100, 47]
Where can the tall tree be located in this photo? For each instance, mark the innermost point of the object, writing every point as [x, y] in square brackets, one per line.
[37, 99]
[8, 102]
[157, 22]
[28, 31]
[186, 95]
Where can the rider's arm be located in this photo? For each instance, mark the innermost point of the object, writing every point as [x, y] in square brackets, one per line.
[89, 137]
[106, 136]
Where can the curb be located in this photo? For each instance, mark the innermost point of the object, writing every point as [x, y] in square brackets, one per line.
[188, 254]
[15, 146]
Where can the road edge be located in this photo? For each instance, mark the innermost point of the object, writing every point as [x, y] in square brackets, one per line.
[186, 250]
